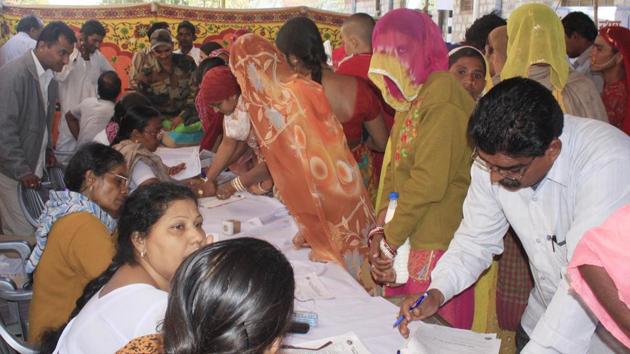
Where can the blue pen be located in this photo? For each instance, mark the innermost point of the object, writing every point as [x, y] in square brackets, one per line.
[415, 304]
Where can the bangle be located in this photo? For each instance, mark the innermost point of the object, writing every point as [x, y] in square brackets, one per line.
[387, 249]
[375, 231]
[237, 185]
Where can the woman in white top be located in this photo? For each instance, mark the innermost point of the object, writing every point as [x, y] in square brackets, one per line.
[223, 301]
[220, 92]
[159, 226]
[138, 137]
[128, 100]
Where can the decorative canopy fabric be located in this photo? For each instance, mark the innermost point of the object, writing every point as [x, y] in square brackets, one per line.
[127, 25]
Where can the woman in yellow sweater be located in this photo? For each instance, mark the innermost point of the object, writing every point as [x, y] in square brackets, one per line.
[74, 237]
[430, 161]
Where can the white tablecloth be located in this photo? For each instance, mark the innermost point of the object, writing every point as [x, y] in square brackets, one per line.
[352, 309]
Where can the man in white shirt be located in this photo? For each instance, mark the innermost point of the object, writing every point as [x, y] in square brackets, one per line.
[186, 35]
[28, 29]
[580, 33]
[27, 105]
[92, 115]
[78, 81]
[551, 177]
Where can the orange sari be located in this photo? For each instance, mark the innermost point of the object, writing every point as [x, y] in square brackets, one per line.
[305, 149]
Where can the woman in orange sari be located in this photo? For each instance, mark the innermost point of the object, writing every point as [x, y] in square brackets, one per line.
[306, 152]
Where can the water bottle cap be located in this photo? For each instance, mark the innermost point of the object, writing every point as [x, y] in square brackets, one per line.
[393, 195]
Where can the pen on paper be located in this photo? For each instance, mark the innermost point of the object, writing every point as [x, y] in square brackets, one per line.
[415, 304]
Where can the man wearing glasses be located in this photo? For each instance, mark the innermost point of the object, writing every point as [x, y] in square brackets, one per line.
[551, 177]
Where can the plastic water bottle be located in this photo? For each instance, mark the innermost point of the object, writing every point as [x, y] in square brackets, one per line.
[391, 207]
[402, 258]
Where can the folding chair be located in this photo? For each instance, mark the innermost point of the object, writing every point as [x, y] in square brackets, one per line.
[10, 344]
[15, 300]
[32, 201]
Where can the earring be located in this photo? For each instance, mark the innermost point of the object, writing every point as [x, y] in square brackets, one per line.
[142, 254]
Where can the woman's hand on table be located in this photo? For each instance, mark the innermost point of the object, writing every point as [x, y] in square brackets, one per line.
[225, 191]
[427, 308]
[206, 189]
[173, 170]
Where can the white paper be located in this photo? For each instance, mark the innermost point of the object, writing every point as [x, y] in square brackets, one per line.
[187, 155]
[348, 343]
[213, 202]
[435, 339]
[310, 287]
[206, 157]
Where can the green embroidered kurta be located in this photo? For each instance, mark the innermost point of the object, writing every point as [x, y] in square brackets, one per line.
[430, 165]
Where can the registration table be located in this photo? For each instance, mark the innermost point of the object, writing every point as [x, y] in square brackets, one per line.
[351, 309]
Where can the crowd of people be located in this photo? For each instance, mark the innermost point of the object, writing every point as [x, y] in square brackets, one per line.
[507, 156]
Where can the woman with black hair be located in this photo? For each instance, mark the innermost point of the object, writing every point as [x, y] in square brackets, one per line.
[74, 237]
[107, 135]
[160, 225]
[351, 99]
[138, 137]
[468, 66]
[223, 301]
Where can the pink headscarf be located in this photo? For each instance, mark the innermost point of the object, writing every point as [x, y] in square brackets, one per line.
[407, 48]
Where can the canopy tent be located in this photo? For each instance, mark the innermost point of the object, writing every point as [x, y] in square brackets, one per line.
[127, 25]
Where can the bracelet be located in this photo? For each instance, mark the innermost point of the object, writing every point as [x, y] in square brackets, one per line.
[237, 184]
[375, 231]
[387, 249]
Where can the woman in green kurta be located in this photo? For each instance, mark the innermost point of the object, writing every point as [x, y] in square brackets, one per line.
[430, 160]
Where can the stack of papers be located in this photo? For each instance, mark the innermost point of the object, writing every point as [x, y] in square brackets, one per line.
[188, 155]
[434, 339]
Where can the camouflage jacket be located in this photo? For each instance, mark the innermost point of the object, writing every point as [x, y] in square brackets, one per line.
[172, 93]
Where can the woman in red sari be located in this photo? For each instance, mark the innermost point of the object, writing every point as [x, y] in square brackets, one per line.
[611, 57]
[305, 150]
[352, 100]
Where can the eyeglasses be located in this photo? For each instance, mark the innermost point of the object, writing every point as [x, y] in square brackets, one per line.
[121, 181]
[514, 173]
[154, 133]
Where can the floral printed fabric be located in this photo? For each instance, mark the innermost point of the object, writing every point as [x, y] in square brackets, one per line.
[149, 344]
[615, 98]
[127, 25]
[305, 149]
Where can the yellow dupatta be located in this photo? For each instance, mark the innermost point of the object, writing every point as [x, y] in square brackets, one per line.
[536, 36]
